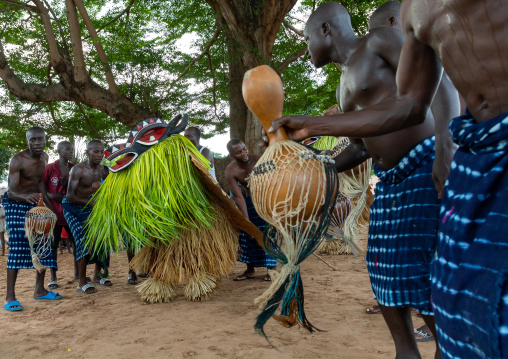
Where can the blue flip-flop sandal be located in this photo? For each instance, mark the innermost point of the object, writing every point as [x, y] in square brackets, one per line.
[50, 296]
[13, 306]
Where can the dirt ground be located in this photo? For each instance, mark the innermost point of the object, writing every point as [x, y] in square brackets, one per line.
[114, 323]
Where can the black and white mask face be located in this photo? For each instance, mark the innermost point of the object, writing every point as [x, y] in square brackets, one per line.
[143, 136]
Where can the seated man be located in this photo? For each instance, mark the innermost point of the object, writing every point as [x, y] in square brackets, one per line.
[236, 175]
[25, 187]
[84, 180]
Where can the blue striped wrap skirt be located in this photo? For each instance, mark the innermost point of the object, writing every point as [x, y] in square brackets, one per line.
[76, 216]
[19, 249]
[249, 251]
[403, 231]
[470, 282]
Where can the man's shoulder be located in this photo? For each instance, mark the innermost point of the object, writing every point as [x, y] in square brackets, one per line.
[382, 36]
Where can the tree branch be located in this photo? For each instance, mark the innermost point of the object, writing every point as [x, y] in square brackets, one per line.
[52, 111]
[294, 29]
[290, 59]
[29, 92]
[87, 119]
[60, 29]
[126, 10]
[98, 46]
[50, 34]
[80, 74]
[214, 96]
[21, 5]
[205, 50]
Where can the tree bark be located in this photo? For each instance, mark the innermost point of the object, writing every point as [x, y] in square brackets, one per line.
[250, 28]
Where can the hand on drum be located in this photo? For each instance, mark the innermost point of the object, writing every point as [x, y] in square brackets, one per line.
[32, 198]
[297, 127]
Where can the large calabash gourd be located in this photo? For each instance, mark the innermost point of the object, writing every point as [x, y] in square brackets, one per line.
[39, 224]
[288, 184]
[294, 189]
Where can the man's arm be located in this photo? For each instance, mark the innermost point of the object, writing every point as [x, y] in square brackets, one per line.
[418, 75]
[237, 192]
[47, 202]
[74, 176]
[445, 106]
[13, 183]
[353, 155]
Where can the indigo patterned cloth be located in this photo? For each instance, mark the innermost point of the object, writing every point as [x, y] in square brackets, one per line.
[470, 281]
[249, 251]
[19, 249]
[403, 231]
[76, 216]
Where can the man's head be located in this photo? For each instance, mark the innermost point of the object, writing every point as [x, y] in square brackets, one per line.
[193, 134]
[36, 139]
[238, 150]
[387, 14]
[65, 150]
[95, 152]
[328, 21]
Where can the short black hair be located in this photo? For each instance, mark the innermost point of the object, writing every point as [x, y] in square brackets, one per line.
[232, 142]
[93, 142]
[387, 10]
[196, 130]
[35, 129]
[60, 145]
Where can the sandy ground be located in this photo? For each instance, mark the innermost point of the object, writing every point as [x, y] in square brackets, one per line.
[115, 324]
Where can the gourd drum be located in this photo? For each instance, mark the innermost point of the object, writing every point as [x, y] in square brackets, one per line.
[288, 184]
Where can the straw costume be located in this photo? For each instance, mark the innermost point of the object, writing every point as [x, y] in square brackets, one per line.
[470, 273]
[354, 200]
[161, 197]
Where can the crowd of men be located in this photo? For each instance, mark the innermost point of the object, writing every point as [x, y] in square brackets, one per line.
[436, 233]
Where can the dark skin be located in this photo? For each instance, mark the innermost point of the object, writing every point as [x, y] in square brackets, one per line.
[65, 154]
[2, 238]
[474, 60]
[369, 65]
[237, 172]
[192, 136]
[26, 170]
[84, 180]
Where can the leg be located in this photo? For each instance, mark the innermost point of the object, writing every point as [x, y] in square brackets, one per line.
[431, 323]
[98, 279]
[82, 274]
[133, 278]
[267, 277]
[401, 327]
[57, 233]
[2, 241]
[12, 275]
[39, 290]
[248, 274]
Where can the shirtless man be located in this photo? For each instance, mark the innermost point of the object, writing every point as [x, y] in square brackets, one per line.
[236, 174]
[193, 134]
[56, 177]
[470, 285]
[84, 180]
[404, 223]
[24, 190]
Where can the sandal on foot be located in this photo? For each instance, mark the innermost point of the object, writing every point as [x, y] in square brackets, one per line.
[373, 310]
[267, 278]
[104, 282]
[53, 285]
[84, 289]
[425, 337]
[13, 306]
[242, 277]
[50, 296]
[132, 281]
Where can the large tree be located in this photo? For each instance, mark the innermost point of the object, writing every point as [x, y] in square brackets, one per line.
[96, 68]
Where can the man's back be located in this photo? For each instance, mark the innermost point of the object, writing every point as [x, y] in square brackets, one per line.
[471, 40]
